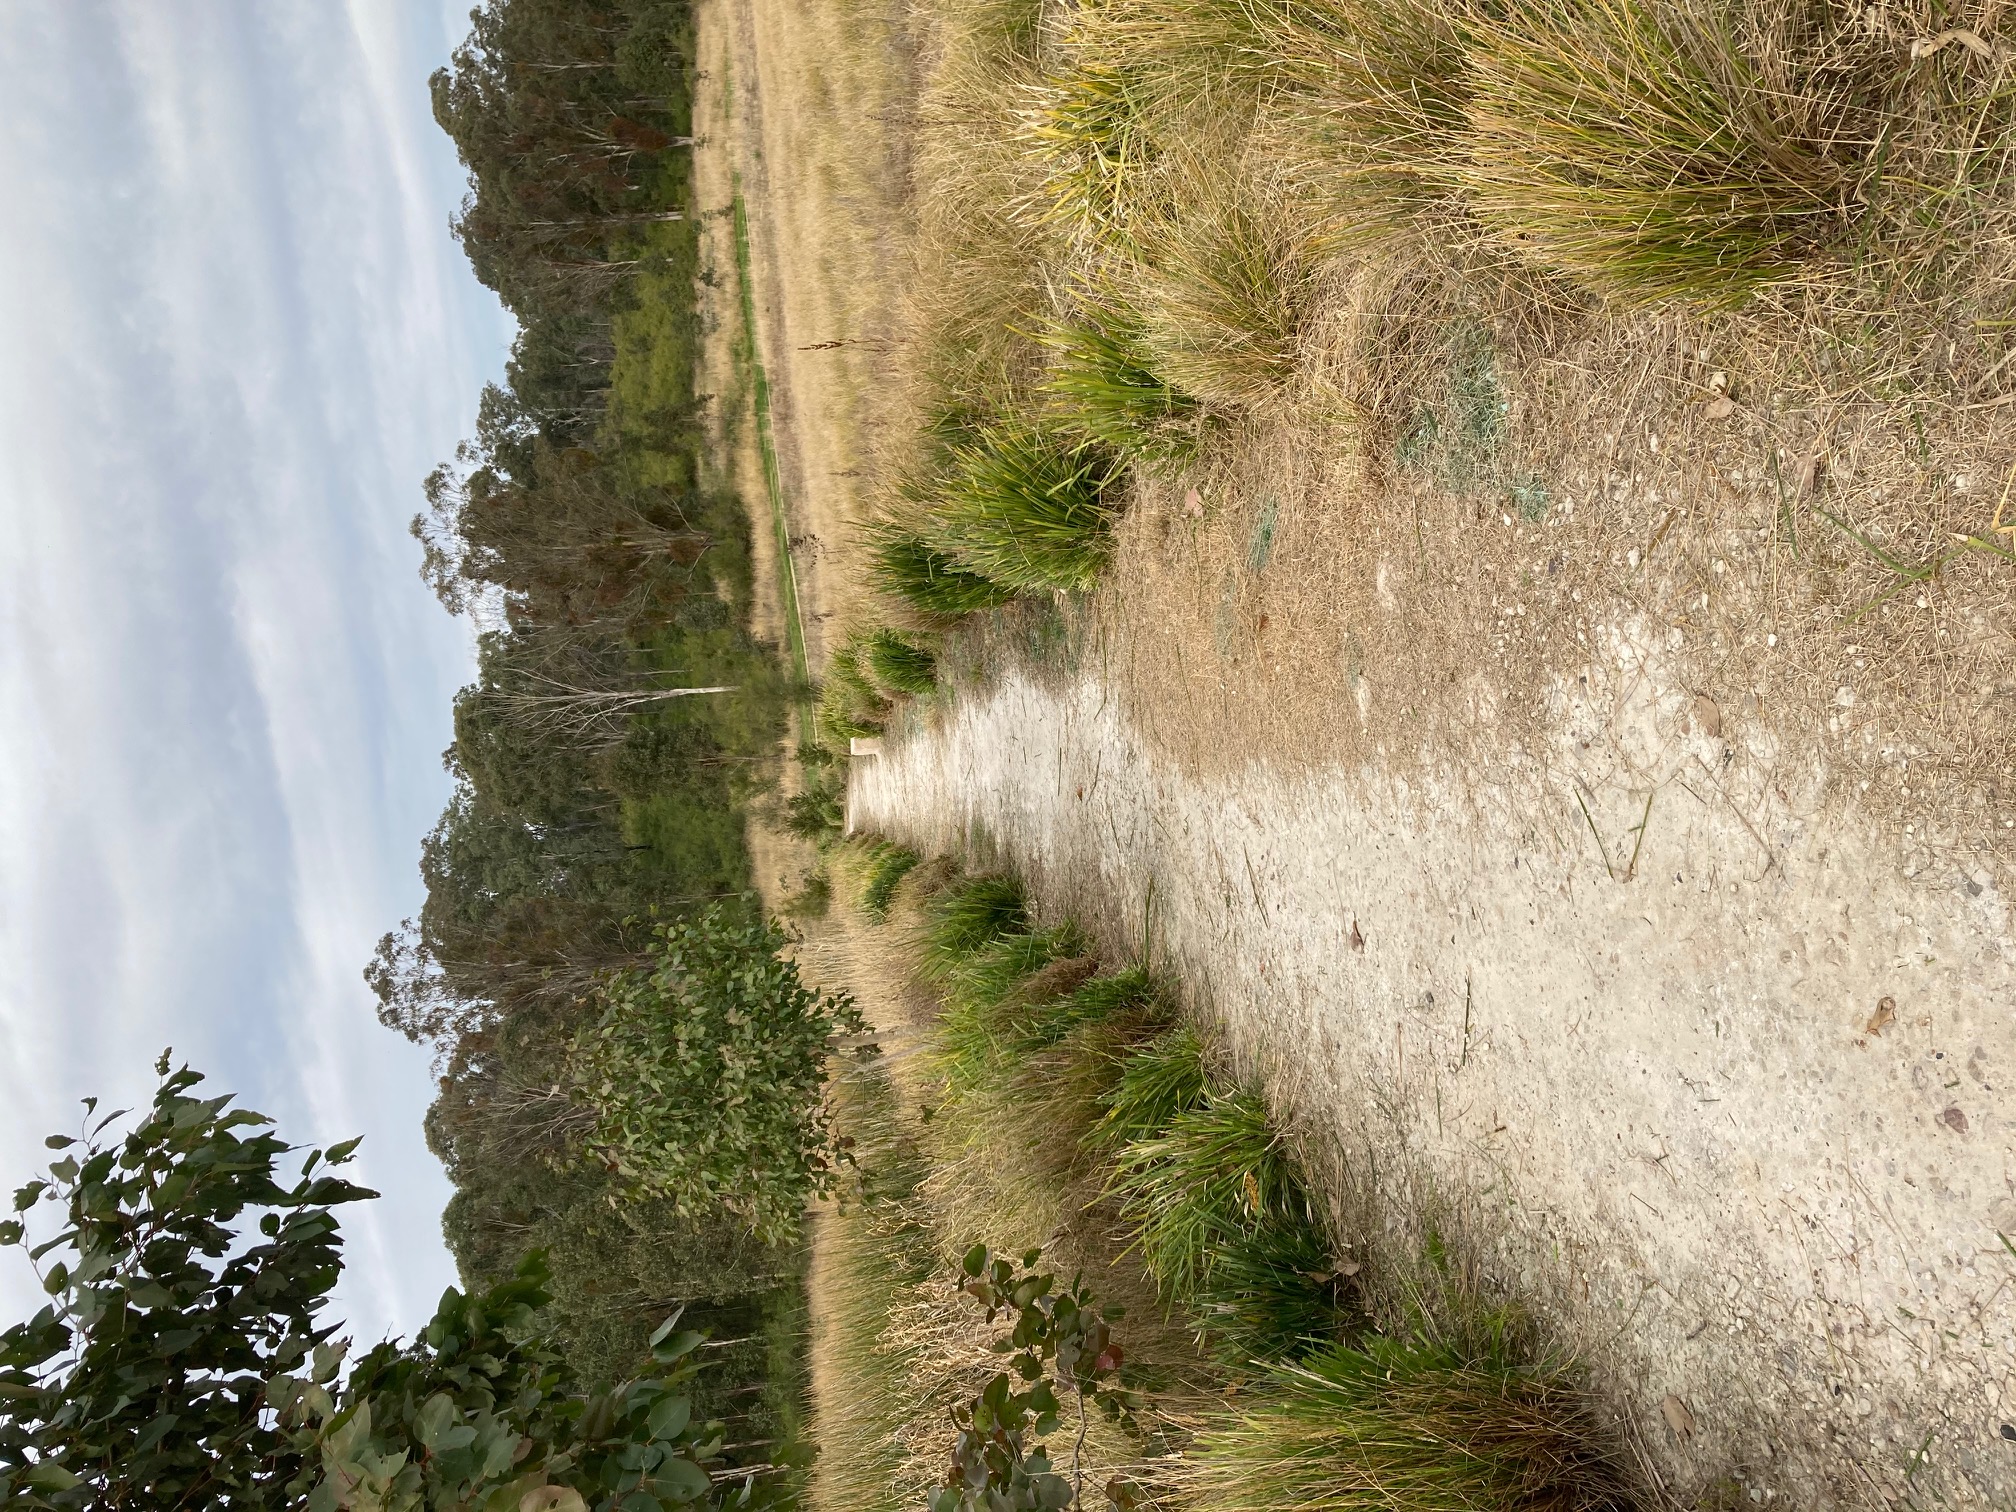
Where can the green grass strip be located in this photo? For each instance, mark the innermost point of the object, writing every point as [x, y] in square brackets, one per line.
[773, 478]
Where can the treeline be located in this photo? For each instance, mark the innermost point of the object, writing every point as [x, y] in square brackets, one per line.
[594, 792]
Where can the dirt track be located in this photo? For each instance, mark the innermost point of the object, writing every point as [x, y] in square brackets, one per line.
[1652, 1095]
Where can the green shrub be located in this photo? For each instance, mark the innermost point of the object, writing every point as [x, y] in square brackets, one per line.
[931, 581]
[1401, 1426]
[1103, 385]
[900, 663]
[704, 1073]
[819, 810]
[1028, 506]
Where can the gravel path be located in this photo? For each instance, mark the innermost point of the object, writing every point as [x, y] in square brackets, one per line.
[1722, 1091]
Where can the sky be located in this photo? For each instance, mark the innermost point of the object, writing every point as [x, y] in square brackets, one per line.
[235, 334]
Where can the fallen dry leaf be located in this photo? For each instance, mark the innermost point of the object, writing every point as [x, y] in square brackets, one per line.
[1955, 1120]
[1357, 939]
[1721, 407]
[1193, 504]
[1678, 1418]
[1348, 1267]
[1925, 47]
[1708, 715]
[1884, 1016]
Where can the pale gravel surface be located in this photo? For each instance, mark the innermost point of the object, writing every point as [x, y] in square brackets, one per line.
[1654, 1095]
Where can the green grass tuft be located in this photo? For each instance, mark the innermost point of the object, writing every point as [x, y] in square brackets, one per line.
[900, 663]
[967, 917]
[986, 1003]
[1228, 1231]
[931, 581]
[887, 866]
[1408, 1427]
[1160, 1080]
[1027, 506]
[1102, 385]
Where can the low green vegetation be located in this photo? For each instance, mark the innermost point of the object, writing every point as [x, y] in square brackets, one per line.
[1241, 1370]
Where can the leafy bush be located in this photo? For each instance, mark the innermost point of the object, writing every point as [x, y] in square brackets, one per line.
[1406, 1426]
[704, 1073]
[1059, 1339]
[1028, 506]
[178, 1366]
[931, 581]
[818, 811]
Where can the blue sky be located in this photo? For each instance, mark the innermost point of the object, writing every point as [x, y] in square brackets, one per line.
[234, 335]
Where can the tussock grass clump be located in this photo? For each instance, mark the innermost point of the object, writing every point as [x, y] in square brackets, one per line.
[887, 865]
[1028, 506]
[982, 996]
[1225, 291]
[900, 663]
[1160, 1080]
[1227, 1228]
[966, 917]
[1086, 131]
[931, 581]
[1645, 149]
[850, 705]
[1103, 385]
[1660, 151]
[1402, 1426]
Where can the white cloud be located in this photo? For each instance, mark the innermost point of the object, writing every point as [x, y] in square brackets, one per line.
[234, 333]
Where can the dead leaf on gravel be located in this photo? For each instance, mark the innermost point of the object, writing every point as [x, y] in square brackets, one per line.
[1884, 1016]
[1708, 715]
[1721, 407]
[1678, 1418]
[1193, 504]
[1357, 939]
[1955, 1120]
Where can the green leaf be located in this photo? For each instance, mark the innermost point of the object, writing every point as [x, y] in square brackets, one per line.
[681, 1480]
[433, 1418]
[50, 1476]
[670, 1417]
[678, 1347]
[337, 1154]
